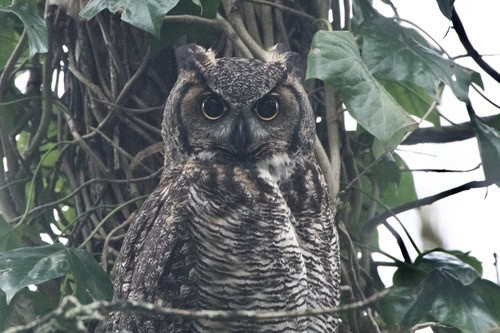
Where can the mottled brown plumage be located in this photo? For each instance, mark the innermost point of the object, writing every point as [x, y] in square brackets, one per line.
[241, 219]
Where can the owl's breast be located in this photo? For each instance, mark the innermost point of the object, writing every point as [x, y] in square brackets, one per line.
[247, 253]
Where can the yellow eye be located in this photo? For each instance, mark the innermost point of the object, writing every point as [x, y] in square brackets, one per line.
[267, 108]
[212, 107]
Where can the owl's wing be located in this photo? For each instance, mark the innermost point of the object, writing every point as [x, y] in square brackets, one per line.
[147, 251]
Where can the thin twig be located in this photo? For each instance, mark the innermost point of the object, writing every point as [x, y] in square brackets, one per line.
[219, 23]
[131, 110]
[458, 132]
[285, 9]
[46, 93]
[374, 222]
[105, 247]
[236, 22]
[137, 74]
[425, 325]
[464, 39]
[87, 183]
[442, 170]
[11, 195]
[70, 308]
[109, 216]
[92, 86]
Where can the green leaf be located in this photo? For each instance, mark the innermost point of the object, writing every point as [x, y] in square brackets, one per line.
[397, 194]
[490, 293]
[35, 26]
[335, 59]
[412, 98]
[443, 298]
[466, 258]
[146, 15]
[92, 283]
[173, 34]
[8, 40]
[393, 52]
[30, 265]
[488, 140]
[441, 260]
[361, 9]
[3, 310]
[441, 286]
[395, 305]
[446, 7]
[10, 238]
[33, 265]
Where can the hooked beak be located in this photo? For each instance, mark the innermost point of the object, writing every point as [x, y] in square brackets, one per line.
[240, 136]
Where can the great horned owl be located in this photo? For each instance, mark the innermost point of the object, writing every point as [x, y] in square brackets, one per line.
[241, 219]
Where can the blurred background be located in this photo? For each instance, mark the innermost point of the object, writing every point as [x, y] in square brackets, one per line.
[470, 220]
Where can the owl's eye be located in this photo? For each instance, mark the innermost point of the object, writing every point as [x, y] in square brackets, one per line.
[212, 107]
[267, 107]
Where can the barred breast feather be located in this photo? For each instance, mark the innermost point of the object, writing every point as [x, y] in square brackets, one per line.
[227, 237]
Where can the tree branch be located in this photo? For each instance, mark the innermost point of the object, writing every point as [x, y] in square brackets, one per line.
[462, 35]
[374, 222]
[459, 132]
[219, 23]
[284, 8]
[70, 309]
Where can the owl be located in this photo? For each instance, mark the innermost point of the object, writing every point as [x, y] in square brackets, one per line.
[241, 219]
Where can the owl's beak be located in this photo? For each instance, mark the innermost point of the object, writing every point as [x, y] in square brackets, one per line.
[240, 136]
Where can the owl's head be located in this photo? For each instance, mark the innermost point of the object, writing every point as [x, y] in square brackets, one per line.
[237, 110]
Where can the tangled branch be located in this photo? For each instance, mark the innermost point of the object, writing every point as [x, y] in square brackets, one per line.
[70, 309]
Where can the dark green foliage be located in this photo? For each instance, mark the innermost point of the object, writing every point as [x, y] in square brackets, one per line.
[335, 58]
[441, 286]
[34, 265]
[35, 26]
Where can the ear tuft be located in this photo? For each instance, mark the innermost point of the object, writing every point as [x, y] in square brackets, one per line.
[281, 54]
[190, 56]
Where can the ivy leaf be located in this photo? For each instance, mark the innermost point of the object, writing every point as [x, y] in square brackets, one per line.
[412, 99]
[22, 267]
[146, 15]
[441, 286]
[91, 281]
[395, 305]
[488, 139]
[35, 26]
[4, 308]
[439, 259]
[8, 39]
[490, 293]
[446, 7]
[335, 59]
[11, 238]
[393, 52]
[402, 187]
[443, 298]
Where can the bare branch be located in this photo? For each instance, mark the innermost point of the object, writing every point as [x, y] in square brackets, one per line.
[285, 9]
[234, 17]
[219, 23]
[459, 132]
[134, 77]
[374, 222]
[462, 35]
[7, 203]
[71, 309]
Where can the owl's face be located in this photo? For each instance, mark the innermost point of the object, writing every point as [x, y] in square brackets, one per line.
[237, 109]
